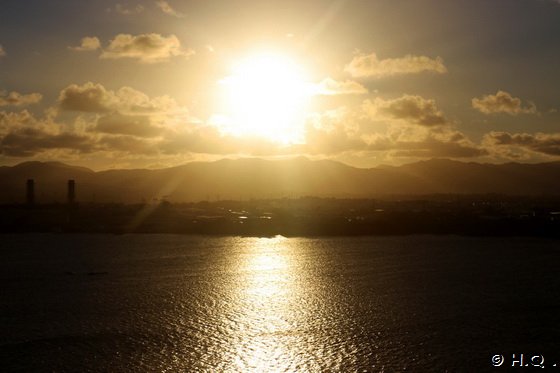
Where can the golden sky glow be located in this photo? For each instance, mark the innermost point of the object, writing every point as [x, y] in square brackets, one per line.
[160, 83]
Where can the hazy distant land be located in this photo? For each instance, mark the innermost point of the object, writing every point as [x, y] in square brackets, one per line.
[295, 197]
[246, 179]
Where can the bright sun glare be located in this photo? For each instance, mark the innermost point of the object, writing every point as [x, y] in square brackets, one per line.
[266, 97]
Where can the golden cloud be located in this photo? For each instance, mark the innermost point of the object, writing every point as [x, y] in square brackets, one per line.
[95, 98]
[88, 43]
[329, 86]
[502, 102]
[23, 135]
[147, 48]
[17, 99]
[128, 124]
[341, 131]
[369, 65]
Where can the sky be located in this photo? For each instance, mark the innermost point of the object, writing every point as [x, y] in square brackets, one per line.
[154, 84]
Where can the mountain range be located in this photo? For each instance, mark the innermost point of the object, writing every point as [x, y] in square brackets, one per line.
[257, 178]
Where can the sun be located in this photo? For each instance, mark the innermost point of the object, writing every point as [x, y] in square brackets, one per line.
[266, 96]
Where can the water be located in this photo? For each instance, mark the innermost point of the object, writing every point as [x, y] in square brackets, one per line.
[165, 303]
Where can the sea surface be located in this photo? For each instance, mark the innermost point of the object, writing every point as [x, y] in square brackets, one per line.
[172, 303]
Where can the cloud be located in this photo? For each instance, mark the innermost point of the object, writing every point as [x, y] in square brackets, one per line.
[409, 109]
[110, 135]
[127, 145]
[333, 132]
[121, 9]
[23, 135]
[544, 143]
[329, 86]
[128, 124]
[344, 131]
[132, 101]
[29, 141]
[502, 102]
[95, 98]
[89, 98]
[147, 48]
[125, 111]
[87, 44]
[446, 144]
[121, 124]
[136, 125]
[2, 51]
[17, 99]
[368, 65]
[11, 120]
[167, 9]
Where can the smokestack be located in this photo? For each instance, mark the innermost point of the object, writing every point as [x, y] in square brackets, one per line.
[71, 191]
[30, 192]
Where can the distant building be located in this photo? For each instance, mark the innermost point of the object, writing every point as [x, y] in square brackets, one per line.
[30, 192]
[71, 192]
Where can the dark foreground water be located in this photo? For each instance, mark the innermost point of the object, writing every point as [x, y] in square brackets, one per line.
[164, 303]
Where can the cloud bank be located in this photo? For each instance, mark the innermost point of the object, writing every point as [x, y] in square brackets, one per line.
[126, 124]
[544, 143]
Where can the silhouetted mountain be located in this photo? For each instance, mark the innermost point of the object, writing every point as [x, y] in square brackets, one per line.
[257, 178]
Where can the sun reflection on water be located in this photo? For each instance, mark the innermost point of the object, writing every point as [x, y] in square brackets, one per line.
[263, 337]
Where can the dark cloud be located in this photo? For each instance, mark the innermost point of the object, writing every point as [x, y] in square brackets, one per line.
[89, 98]
[26, 142]
[438, 148]
[410, 109]
[545, 143]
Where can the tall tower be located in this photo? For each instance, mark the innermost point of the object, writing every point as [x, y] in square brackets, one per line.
[71, 191]
[30, 192]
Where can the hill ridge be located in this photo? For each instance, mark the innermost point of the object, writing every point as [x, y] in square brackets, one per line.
[247, 178]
